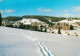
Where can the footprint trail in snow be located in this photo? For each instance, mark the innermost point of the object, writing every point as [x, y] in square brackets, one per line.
[43, 49]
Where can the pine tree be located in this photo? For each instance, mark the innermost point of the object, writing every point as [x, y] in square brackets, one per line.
[0, 19]
[41, 28]
[71, 27]
[45, 30]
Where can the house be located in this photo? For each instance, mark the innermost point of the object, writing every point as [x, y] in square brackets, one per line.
[74, 23]
[16, 24]
[63, 26]
[7, 23]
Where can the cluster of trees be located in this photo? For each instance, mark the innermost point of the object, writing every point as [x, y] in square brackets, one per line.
[35, 28]
[55, 19]
[30, 27]
[12, 18]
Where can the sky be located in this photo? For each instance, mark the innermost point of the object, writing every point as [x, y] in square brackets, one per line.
[59, 8]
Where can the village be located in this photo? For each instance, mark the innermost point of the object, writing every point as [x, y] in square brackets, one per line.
[70, 27]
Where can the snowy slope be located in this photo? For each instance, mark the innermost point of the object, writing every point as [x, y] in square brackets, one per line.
[18, 42]
[29, 21]
[14, 43]
[61, 45]
[66, 21]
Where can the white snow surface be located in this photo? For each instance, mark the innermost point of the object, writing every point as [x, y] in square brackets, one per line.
[19, 42]
[29, 21]
[14, 43]
[66, 21]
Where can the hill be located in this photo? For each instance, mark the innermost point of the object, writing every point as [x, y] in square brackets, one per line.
[46, 19]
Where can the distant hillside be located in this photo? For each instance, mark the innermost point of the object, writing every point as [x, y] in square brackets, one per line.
[12, 18]
[46, 19]
[41, 18]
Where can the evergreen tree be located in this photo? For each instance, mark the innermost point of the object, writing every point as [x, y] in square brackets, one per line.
[45, 30]
[21, 25]
[41, 28]
[71, 27]
[35, 28]
[0, 19]
[59, 29]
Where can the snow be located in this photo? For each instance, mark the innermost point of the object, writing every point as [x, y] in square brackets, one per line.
[71, 32]
[60, 45]
[29, 21]
[14, 43]
[65, 21]
[72, 21]
[18, 42]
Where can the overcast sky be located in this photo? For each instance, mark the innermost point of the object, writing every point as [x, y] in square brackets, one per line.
[64, 8]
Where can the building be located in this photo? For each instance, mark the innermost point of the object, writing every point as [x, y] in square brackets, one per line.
[63, 26]
[16, 24]
[7, 23]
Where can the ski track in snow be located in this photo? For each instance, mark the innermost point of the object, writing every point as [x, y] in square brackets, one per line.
[43, 49]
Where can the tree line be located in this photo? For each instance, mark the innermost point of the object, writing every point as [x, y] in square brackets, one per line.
[41, 18]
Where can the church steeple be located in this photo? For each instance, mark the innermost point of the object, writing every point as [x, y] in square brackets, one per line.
[0, 19]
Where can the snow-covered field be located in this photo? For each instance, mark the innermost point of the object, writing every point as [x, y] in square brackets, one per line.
[18, 42]
[71, 32]
[28, 21]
